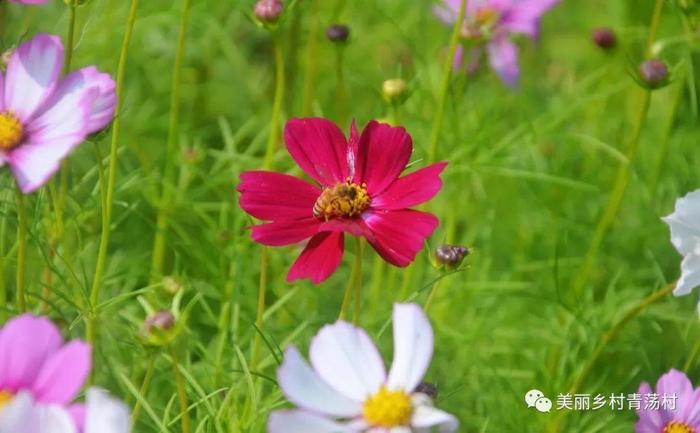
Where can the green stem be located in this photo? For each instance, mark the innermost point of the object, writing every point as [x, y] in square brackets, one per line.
[431, 295]
[70, 40]
[273, 139]
[310, 74]
[355, 276]
[663, 146]
[181, 392]
[145, 384]
[111, 181]
[159, 242]
[653, 28]
[358, 281]
[21, 250]
[260, 316]
[3, 263]
[445, 84]
[340, 94]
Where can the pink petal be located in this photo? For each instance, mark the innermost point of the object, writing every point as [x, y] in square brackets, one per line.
[353, 226]
[299, 421]
[400, 234]
[320, 258]
[524, 16]
[77, 412]
[413, 347]
[320, 149]
[279, 233]
[2, 91]
[412, 189]
[26, 342]
[32, 74]
[63, 374]
[383, 153]
[503, 56]
[274, 196]
[303, 387]
[345, 357]
[30, 2]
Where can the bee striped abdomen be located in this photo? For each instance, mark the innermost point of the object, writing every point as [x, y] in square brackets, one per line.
[345, 200]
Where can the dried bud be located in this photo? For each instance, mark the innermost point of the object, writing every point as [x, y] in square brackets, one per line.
[338, 33]
[428, 389]
[5, 58]
[653, 73]
[450, 256]
[604, 37]
[268, 11]
[394, 91]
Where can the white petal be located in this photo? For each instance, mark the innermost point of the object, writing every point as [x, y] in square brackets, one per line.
[16, 416]
[346, 358]
[690, 275]
[22, 415]
[32, 74]
[684, 223]
[413, 347]
[427, 417]
[299, 421]
[105, 414]
[400, 430]
[302, 386]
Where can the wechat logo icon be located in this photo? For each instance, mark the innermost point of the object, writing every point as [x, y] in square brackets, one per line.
[535, 398]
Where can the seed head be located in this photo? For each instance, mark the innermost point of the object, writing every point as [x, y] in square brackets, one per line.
[450, 256]
[338, 33]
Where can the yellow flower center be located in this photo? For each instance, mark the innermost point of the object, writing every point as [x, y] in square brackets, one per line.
[678, 427]
[5, 397]
[388, 409]
[487, 17]
[11, 130]
[344, 200]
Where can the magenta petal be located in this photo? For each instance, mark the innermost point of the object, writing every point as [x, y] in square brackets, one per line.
[320, 258]
[287, 232]
[524, 16]
[649, 420]
[63, 374]
[26, 342]
[400, 234]
[412, 189]
[503, 56]
[383, 154]
[30, 2]
[274, 196]
[77, 412]
[32, 74]
[320, 149]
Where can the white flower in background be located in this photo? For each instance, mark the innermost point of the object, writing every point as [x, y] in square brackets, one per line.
[103, 414]
[685, 236]
[347, 390]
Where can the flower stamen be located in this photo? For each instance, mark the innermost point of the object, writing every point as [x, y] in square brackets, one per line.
[388, 409]
[5, 397]
[11, 130]
[678, 427]
[344, 200]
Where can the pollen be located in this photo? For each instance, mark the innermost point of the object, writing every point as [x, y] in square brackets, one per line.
[344, 200]
[678, 427]
[11, 131]
[5, 398]
[487, 16]
[388, 409]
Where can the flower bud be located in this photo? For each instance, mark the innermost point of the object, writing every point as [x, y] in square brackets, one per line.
[338, 33]
[450, 256]
[159, 328]
[172, 285]
[653, 73]
[428, 389]
[268, 11]
[5, 58]
[394, 91]
[604, 37]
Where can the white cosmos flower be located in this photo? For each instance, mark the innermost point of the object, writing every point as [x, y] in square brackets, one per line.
[103, 414]
[685, 236]
[347, 390]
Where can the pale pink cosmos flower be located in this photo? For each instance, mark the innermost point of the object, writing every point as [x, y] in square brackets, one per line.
[493, 22]
[43, 117]
[30, 2]
[35, 361]
[347, 389]
[681, 416]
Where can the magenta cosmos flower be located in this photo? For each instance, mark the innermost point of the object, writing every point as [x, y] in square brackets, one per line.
[493, 22]
[347, 388]
[30, 2]
[36, 363]
[43, 117]
[683, 418]
[358, 191]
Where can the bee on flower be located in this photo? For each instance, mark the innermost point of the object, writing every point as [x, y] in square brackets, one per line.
[358, 191]
[347, 389]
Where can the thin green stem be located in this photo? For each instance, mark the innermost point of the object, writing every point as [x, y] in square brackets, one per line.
[162, 219]
[260, 316]
[431, 295]
[273, 139]
[653, 28]
[355, 276]
[666, 138]
[21, 250]
[310, 73]
[70, 40]
[181, 393]
[111, 181]
[358, 280]
[445, 84]
[340, 94]
[145, 384]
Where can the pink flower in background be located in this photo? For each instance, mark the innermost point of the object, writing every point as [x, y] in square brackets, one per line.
[347, 389]
[493, 22]
[683, 418]
[360, 193]
[34, 361]
[43, 117]
[30, 2]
